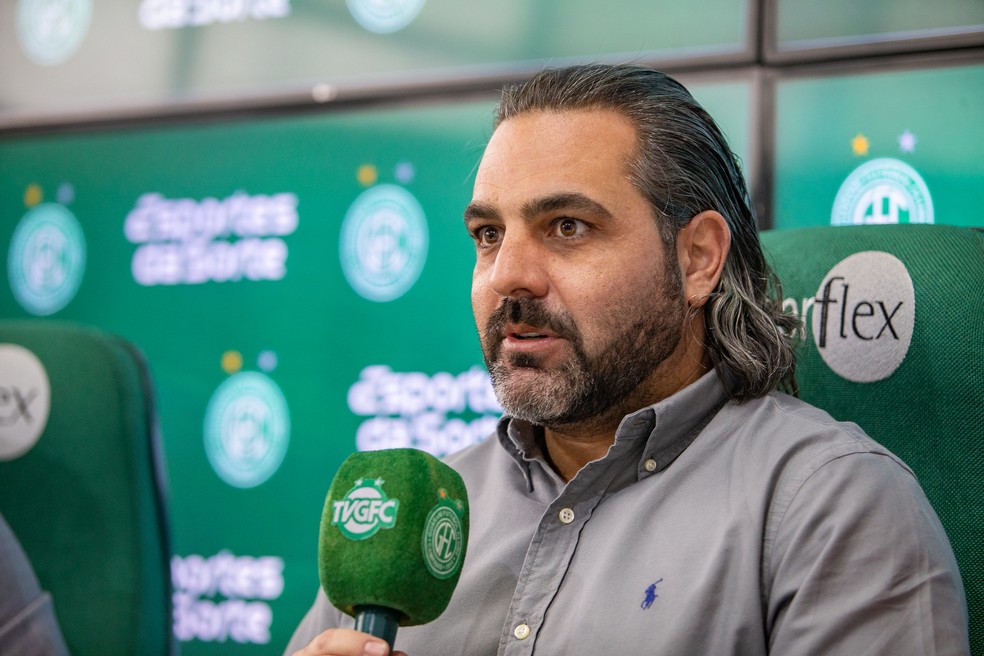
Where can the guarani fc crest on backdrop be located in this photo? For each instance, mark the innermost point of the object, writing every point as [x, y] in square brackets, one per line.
[442, 541]
[385, 16]
[883, 190]
[46, 261]
[50, 31]
[383, 244]
[247, 428]
[364, 510]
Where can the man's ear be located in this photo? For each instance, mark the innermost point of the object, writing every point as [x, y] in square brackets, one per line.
[702, 246]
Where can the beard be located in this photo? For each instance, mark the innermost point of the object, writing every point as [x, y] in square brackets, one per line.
[586, 389]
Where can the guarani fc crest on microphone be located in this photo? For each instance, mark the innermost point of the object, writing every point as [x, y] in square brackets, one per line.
[442, 539]
[364, 510]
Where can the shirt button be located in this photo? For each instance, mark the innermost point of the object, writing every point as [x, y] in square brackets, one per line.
[650, 465]
[566, 516]
[522, 632]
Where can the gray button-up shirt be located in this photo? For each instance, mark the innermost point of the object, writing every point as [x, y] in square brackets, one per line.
[709, 528]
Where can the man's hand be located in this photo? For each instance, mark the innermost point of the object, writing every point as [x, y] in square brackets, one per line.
[346, 642]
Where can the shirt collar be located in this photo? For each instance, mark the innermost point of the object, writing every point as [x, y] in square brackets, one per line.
[667, 428]
[678, 420]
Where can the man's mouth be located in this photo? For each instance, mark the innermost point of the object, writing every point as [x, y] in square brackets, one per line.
[525, 327]
[526, 332]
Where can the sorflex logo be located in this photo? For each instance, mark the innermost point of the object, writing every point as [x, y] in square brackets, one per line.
[385, 16]
[883, 190]
[863, 316]
[442, 542]
[47, 257]
[383, 244]
[365, 510]
[247, 429]
[184, 241]
[50, 31]
[25, 400]
[175, 14]
[415, 410]
[225, 597]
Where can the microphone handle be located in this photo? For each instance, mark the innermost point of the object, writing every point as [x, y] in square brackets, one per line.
[378, 621]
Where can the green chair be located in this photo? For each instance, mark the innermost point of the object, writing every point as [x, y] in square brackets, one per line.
[85, 496]
[904, 362]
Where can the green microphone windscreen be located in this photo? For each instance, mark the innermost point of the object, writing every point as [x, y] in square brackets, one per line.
[393, 534]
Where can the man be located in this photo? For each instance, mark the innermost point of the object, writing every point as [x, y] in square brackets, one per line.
[648, 490]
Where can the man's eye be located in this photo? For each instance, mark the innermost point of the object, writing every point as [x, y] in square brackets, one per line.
[487, 236]
[568, 227]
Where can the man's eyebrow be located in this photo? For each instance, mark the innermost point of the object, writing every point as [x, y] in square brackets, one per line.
[570, 201]
[478, 210]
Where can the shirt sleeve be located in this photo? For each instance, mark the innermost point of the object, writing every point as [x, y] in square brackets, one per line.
[861, 565]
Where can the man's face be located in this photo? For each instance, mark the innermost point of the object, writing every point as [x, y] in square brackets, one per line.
[576, 302]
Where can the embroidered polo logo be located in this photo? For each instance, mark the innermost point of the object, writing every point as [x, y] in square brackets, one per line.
[650, 595]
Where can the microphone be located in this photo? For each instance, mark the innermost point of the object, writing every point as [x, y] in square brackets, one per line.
[393, 535]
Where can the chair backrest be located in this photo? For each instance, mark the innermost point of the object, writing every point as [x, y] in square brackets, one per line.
[81, 483]
[894, 341]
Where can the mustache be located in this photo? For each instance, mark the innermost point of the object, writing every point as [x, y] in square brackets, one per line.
[530, 311]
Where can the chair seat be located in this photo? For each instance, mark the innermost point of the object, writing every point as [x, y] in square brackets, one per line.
[86, 500]
[893, 339]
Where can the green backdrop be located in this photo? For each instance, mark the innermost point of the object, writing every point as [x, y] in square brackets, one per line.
[295, 363]
[928, 119]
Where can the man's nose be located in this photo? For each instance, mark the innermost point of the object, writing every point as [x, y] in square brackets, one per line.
[519, 269]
